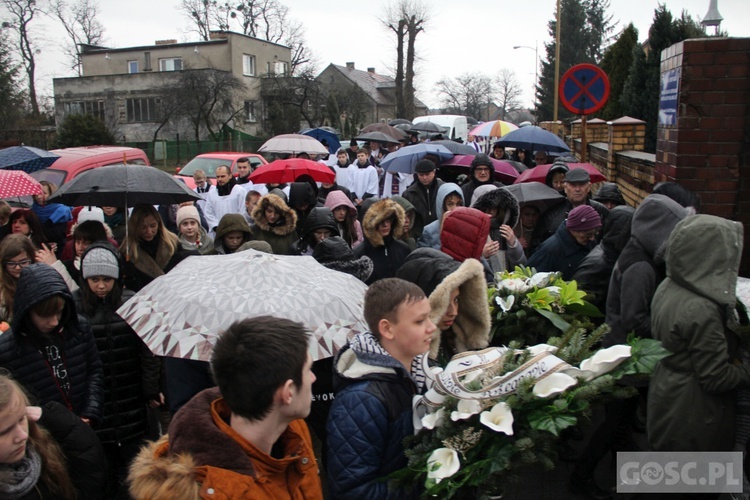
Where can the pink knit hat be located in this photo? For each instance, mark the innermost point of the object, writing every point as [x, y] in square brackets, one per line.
[583, 218]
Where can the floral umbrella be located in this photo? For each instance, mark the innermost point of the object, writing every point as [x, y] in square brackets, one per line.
[182, 313]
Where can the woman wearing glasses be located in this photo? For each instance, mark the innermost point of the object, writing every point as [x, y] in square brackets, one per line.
[16, 252]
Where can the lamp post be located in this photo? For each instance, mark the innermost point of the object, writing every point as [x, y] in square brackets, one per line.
[536, 69]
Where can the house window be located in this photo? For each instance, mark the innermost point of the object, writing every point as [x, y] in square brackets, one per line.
[171, 64]
[94, 108]
[250, 111]
[141, 110]
[248, 65]
[268, 68]
[132, 66]
[281, 68]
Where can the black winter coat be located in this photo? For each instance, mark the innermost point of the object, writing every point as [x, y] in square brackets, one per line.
[424, 201]
[552, 218]
[19, 352]
[131, 373]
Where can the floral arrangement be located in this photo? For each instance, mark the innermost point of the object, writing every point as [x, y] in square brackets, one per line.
[489, 413]
[524, 304]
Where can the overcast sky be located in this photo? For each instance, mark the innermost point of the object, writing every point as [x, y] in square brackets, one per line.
[462, 37]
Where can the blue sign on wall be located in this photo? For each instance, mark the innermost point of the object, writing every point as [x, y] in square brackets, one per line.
[668, 97]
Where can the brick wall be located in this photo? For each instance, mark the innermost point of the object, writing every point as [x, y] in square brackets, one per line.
[706, 150]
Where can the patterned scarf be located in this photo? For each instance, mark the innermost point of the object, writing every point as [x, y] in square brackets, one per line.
[18, 479]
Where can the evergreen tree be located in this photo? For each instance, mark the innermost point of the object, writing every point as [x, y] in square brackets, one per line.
[616, 62]
[584, 27]
[11, 101]
[83, 130]
[640, 97]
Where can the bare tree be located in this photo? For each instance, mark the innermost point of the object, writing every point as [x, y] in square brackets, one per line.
[22, 13]
[407, 19]
[300, 93]
[467, 94]
[82, 26]
[265, 19]
[508, 92]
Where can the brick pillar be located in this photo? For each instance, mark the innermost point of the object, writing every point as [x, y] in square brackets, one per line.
[624, 134]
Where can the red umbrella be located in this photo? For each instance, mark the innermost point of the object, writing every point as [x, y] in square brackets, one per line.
[504, 171]
[281, 171]
[539, 173]
[16, 183]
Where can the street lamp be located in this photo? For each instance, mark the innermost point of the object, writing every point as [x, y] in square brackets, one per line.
[536, 70]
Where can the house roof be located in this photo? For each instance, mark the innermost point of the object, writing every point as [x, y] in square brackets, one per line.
[373, 84]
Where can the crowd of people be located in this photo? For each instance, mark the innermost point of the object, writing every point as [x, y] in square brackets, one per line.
[81, 393]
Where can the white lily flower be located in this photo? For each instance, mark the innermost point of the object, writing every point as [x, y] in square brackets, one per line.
[553, 290]
[605, 360]
[540, 348]
[465, 409]
[514, 285]
[432, 420]
[553, 384]
[499, 419]
[505, 303]
[540, 280]
[442, 463]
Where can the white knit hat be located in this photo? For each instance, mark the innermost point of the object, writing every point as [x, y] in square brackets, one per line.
[90, 213]
[189, 212]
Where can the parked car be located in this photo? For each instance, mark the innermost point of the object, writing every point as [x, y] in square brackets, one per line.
[75, 161]
[209, 161]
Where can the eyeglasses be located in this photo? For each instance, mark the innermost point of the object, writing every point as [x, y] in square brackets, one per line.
[480, 169]
[11, 264]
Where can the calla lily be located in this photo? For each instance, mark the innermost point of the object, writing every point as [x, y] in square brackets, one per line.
[505, 303]
[432, 420]
[465, 409]
[514, 285]
[540, 280]
[540, 348]
[499, 419]
[553, 384]
[605, 360]
[442, 463]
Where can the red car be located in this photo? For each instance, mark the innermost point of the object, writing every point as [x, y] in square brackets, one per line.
[209, 161]
[75, 161]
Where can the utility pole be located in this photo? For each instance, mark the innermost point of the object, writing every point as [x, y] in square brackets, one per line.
[557, 63]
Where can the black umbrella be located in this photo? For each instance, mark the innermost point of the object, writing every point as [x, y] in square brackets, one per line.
[535, 193]
[456, 147]
[427, 127]
[123, 186]
[399, 121]
[519, 166]
[377, 137]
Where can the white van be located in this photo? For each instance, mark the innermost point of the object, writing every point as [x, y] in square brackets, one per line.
[458, 127]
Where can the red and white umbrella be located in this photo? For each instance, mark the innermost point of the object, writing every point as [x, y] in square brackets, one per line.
[16, 183]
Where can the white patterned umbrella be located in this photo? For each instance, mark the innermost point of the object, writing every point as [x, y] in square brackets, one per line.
[182, 313]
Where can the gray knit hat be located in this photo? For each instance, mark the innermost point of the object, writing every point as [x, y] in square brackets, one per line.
[99, 262]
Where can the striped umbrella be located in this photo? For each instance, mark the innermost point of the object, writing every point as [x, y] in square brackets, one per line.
[495, 128]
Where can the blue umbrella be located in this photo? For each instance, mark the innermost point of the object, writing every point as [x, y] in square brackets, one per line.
[321, 134]
[407, 157]
[533, 138]
[26, 158]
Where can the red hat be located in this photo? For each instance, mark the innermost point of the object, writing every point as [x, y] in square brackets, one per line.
[583, 218]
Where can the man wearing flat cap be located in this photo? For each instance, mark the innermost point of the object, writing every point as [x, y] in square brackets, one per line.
[577, 188]
[572, 241]
[423, 193]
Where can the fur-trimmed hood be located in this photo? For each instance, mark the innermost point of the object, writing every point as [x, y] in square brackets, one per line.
[379, 212]
[437, 274]
[289, 216]
[500, 198]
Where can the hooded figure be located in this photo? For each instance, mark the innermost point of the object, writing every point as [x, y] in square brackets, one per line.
[318, 218]
[334, 253]
[431, 234]
[303, 197]
[556, 176]
[595, 269]
[350, 228]
[62, 365]
[413, 219]
[502, 207]
[609, 195]
[485, 162]
[692, 397]
[387, 252]
[230, 223]
[464, 233]
[280, 232]
[640, 268]
[438, 275]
